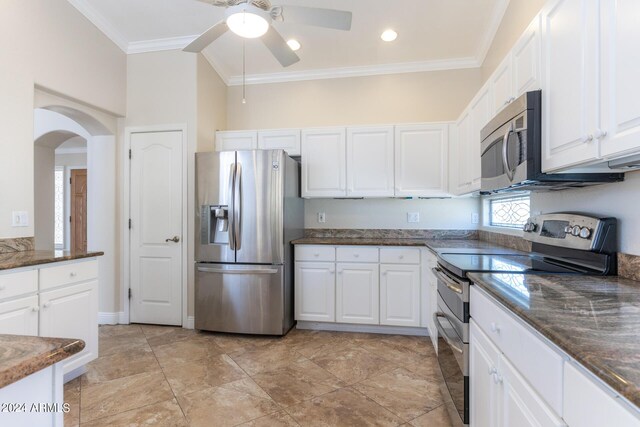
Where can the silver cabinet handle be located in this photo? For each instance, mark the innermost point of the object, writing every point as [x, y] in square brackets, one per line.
[238, 271]
[450, 341]
[448, 282]
[174, 239]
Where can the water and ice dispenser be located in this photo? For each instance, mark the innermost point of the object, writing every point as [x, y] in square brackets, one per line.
[215, 227]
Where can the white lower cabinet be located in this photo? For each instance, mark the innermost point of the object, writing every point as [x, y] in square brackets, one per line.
[71, 312]
[499, 395]
[19, 316]
[399, 295]
[357, 293]
[315, 291]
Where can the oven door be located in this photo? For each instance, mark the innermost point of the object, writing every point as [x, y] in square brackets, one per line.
[504, 155]
[453, 359]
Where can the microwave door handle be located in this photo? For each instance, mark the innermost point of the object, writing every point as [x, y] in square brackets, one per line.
[505, 158]
[230, 215]
[448, 340]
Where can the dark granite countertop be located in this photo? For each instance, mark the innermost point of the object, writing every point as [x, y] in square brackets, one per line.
[26, 258]
[436, 245]
[21, 356]
[596, 320]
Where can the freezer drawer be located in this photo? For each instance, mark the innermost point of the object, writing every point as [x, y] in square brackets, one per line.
[240, 298]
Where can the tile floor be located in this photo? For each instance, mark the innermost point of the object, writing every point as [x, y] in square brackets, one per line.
[164, 376]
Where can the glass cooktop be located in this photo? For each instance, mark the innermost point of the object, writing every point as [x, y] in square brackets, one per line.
[461, 264]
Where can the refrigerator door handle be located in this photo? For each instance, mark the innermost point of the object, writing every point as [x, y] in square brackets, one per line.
[238, 271]
[237, 194]
[232, 221]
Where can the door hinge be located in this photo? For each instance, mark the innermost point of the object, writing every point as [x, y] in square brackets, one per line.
[129, 293]
[129, 154]
[70, 218]
[129, 223]
[69, 180]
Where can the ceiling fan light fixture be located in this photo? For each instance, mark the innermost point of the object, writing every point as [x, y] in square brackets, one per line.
[294, 44]
[248, 21]
[389, 35]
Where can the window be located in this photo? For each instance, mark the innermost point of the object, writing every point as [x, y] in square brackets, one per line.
[59, 208]
[511, 212]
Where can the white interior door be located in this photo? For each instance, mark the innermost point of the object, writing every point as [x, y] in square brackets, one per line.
[156, 228]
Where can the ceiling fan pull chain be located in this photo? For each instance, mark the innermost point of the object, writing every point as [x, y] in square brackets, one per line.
[244, 72]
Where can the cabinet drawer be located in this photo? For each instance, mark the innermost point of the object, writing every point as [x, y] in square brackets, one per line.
[587, 404]
[315, 253]
[14, 284]
[52, 277]
[535, 359]
[357, 254]
[400, 255]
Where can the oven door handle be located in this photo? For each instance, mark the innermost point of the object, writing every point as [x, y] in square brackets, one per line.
[436, 318]
[505, 159]
[447, 281]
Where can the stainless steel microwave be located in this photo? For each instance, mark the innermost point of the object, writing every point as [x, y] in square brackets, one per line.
[511, 147]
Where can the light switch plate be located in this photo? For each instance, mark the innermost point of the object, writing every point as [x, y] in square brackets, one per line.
[413, 216]
[321, 217]
[20, 219]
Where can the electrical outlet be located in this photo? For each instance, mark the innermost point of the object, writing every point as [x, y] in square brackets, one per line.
[322, 218]
[413, 216]
[475, 218]
[20, 219]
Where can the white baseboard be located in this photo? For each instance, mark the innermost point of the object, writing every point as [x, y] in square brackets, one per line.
[190, 323]
[123, 319]
[72, 375]
[371, 329]
[106, 318]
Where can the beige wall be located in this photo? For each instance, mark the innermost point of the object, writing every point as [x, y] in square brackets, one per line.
[174, 87]
[517, 18]
[44, 201]
[388, 99]
[40, 44]
[72, 160]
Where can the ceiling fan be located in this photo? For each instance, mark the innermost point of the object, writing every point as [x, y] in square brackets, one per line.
[253, 19]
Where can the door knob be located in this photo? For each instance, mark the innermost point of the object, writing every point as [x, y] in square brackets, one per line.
[175, 239]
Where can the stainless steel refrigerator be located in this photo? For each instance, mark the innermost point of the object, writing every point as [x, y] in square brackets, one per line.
[248, 211]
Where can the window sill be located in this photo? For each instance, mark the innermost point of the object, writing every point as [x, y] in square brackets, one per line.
[503, 230]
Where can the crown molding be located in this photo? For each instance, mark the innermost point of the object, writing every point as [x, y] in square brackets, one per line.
[357, 71]
[490, 35]
[97, 19]
[169, 43]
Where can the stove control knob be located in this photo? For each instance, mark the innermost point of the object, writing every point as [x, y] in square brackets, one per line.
[533, 226]
[585, 233]
[567, 229]
[575, 231]
[526, 227]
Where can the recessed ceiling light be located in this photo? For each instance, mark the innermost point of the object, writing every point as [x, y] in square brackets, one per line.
[389, 35]
[294, 44]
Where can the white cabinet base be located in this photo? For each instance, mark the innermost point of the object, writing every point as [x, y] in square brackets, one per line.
[367, 329]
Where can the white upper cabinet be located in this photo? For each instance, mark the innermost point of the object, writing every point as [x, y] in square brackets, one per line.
[421, 155]
[620, 65]
[502, 86]
[460, 158]
[526, 59]
[370, 161]
[280, 139]
[236, 140]
[324, 162]
[570, 82]
[480, 116]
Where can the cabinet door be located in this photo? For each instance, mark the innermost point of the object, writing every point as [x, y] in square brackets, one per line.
[19, 316]
[501, 83]
[483, 379]
[460, 160]
[315, 291]
[480, 116]
[620, 70]
[521, 406]
[421, 155]
[72, 312]
[324, 163]
[236, 140]
[399, 295]
[357, 293]
[570, 64]
[370, 161]
[526, 60]
[285, 139]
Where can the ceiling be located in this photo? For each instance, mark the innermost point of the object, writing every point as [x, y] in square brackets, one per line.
[432, 35]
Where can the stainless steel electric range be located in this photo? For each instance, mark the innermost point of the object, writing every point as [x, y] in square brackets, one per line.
[562, 243]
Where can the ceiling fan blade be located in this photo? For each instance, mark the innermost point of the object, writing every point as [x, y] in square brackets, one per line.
[207, 37]
[279, 48]
[327, 18]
